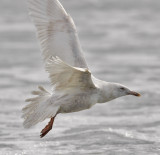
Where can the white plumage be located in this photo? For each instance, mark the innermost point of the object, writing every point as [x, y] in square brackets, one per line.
[63, 76]
[56, 32]
[74, 88]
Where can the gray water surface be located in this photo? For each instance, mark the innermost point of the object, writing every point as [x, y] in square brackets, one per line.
[121, 40]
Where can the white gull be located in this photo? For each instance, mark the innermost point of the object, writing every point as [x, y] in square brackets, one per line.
[74, 87]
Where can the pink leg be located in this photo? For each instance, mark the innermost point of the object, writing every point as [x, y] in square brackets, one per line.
[47, 127]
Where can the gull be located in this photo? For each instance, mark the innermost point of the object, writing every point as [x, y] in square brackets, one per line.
[74, 87]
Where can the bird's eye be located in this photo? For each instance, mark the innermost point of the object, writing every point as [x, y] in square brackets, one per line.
[122, 88]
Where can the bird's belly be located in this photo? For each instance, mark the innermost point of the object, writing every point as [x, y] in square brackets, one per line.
[74, 107]
[76, 104]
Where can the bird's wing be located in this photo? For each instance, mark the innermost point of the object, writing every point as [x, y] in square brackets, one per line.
[64, 76]
[56, 32]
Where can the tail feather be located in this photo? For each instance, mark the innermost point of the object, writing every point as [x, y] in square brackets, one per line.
[40, 108]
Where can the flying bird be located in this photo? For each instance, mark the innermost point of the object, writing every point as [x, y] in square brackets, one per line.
[74, 87]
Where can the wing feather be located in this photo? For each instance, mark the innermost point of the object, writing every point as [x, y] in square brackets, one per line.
[56, 32]
[64, 76]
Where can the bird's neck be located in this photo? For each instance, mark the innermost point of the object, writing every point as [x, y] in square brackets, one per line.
[105, 92]
[103, 97]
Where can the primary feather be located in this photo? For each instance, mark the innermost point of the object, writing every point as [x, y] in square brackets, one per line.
[56, 32]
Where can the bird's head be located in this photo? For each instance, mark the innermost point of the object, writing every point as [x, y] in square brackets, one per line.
[114, 90]
[119, 90]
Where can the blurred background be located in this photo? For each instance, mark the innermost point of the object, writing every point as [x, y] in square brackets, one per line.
[121, 41]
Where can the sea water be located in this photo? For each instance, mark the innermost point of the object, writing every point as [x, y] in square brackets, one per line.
[121, 42]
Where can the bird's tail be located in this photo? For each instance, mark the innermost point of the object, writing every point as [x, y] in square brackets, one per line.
[39, 109]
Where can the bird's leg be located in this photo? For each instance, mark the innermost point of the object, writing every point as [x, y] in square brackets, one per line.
[47, 127]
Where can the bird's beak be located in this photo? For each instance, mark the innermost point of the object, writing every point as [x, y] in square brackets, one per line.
[134, 93]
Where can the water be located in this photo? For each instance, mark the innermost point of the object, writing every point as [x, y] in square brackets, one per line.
[121, 42]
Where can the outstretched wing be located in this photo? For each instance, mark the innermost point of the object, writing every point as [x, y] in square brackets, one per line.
[56, 32]
[64, 76]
